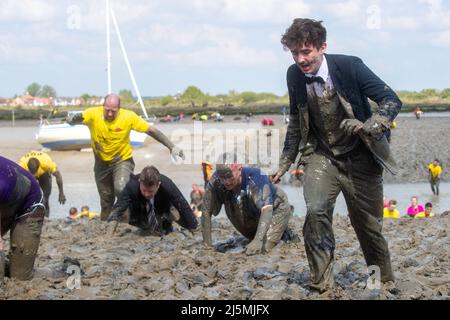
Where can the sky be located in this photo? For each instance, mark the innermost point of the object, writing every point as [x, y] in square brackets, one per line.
[216, 45]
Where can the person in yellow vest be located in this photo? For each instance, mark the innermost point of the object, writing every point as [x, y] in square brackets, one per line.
[85, 212]
[427, 213]
[435, 171]
[110, 128]
[391, 212]
[43, 167]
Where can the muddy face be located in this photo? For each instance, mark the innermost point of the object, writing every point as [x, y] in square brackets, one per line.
[307, 57]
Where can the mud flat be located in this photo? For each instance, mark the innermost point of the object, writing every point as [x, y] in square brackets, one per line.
[178, 266]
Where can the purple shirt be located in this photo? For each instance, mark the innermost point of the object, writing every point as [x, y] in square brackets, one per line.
[9, 172]
[413, 211]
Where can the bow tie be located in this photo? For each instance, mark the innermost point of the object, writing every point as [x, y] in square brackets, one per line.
[312, 79]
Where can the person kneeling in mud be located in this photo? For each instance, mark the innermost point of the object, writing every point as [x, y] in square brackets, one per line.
[154, 202]
[22, 212]
[258, 209]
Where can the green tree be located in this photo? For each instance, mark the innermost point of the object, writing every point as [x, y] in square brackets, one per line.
[33, 89]
[86, 96]
[249, 97]
[192, 93]
[445, 93]
[48, 91]
[429, 92]
[126, 96]
[166, 100]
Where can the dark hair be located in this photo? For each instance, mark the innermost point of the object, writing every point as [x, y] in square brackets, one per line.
[33, 165]
[428, 204]
[149, 176]
[304, 31]
[73, 210]
[394, 202]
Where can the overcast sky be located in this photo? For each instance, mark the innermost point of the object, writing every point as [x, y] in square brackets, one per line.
[217, 45]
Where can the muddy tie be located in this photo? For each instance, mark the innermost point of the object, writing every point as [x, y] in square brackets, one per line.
[152, 221]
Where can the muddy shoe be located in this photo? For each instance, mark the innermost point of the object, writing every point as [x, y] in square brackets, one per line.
[390, 287]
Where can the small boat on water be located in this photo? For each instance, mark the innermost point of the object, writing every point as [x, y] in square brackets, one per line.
[66, 137]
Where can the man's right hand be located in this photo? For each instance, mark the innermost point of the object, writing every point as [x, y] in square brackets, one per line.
[111, 228]
[284, 167]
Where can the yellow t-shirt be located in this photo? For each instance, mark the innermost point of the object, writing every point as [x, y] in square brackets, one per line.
[111, 140]
[391, 214]
[89, 214]
[435, 170]
[422, 215]
[46, 163]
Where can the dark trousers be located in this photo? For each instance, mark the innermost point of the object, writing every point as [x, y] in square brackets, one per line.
[111, 179]
[434, 182]
[25, 233]
[359, 177]
[45, 181]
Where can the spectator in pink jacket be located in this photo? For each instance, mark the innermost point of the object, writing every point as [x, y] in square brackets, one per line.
[415, 208]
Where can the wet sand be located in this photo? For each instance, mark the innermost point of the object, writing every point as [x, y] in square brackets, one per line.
[128, 266]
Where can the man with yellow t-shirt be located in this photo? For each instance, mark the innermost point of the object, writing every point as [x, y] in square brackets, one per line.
[391, 212]
[435, 171]
[42, 167]
[427, 213]
[110, 128]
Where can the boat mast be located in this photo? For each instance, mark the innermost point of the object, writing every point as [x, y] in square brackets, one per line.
[108, 48]
[125, 56]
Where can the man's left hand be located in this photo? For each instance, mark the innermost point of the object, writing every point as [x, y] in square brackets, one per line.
[62, 198]
[376, 125]
[177, 152]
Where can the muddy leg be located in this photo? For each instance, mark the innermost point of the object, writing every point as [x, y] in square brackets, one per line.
[105, 187]
[25, 238]
[45, 181]
[364, 197]
[320, 190]
[279, 222]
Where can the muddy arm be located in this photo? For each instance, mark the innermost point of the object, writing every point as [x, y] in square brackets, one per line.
[59, 182]
[212, 205]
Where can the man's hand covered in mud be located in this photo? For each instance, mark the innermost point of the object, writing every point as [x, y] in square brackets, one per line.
[62, 198]
[285, 164]
[177, 152]
[375, 126]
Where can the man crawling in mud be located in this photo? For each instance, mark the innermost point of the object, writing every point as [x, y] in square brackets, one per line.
[258, 209]
[22, 213]
[154, 202]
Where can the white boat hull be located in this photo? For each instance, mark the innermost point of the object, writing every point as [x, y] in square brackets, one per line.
[66, 137]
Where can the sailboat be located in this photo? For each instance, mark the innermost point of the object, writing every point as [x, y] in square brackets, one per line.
[76, 137]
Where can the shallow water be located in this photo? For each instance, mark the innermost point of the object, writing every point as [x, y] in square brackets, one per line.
[86, 193]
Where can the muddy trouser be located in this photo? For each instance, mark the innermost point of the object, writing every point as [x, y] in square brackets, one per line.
[434, 182]
[45, 181]
[278, 224]
[111, 180]
[360, 180]
[281, 214]
[25, 233]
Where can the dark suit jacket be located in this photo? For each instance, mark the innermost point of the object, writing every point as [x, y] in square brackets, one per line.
[354, 83]
[168, 195]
